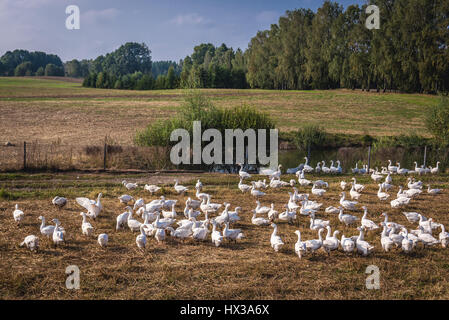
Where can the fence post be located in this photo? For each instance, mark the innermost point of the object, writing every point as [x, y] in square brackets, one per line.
[369, 159]
[24, 155]
[104, 156]
[425, 156]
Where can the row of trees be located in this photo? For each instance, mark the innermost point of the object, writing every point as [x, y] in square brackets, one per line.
[25, 63]
[332, 48]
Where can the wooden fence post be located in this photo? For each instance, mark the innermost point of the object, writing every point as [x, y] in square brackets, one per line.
[24, 155]
[104, 156]
[425, 156]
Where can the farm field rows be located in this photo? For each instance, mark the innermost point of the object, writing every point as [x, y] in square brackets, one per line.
[50, 110]
[249, 269]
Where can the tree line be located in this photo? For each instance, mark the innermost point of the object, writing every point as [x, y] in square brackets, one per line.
[327, 49]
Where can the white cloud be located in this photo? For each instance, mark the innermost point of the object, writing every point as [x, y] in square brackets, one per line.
[189, 19]
[268, 17]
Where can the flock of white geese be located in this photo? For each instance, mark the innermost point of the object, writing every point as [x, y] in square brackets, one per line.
[160, 218]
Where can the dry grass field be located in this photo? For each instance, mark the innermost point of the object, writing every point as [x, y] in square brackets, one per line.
[49, 110]
[249, 269]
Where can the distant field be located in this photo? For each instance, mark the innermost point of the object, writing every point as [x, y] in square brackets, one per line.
[51, 109]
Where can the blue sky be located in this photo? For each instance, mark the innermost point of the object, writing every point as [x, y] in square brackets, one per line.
[171, 28]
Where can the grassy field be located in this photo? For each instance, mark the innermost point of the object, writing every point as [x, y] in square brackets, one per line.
[249, 269]
[51, 110]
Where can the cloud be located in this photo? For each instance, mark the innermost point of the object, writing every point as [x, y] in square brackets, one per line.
[189, 19]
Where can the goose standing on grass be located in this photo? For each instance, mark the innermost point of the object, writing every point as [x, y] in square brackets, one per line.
[278, 183]
[332, 210]
[170, 214]
[125, 198]
[179, 188]
[275, 240]
[261, 184]
[347, 219]
[192, 204]
[318, 167]
[261, 209]
[407, 244]
[376, 176]
[86, 227]
[386, 186]
[391, 224]
[139, 203]
[426, 239]
[386, 242]
[436, 169]
[315, 244]
[356, 169]
[232, 234]
[324, 168]
[331, 242]
[103, 240]
[354, 194]
[256, 193]
[288, 216]
[18, 214]
[432, 191]
[133, 224]
[151, 188]
[31, 242]
[217, 237]
[307, 168]
[46, 230]
[419, 170]
[388, 179]
[443, 236]
[93, 207]
[358, 187]
[59, 202]
[412, 216]
[258, 221]
[383, 196]
[392, 169]
[277, 173]
[129, 185]
[363, 247]
[366, 223]
[272, 214]
[58, 235]
[321, 184]
[412, 184]
[349, 205]
[141, 239]
[244, 187]
[243, 174]
[300, 246]
[318, 192]
[122, 219]
[347, 244]
[343, 185]
[401, 171]
[199, 185]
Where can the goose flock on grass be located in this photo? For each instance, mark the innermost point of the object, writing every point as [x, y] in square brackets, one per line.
[159, 218]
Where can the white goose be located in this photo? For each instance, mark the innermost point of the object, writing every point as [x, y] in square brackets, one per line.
[358, 187]
[347, 219]
[31, 242]
[386, 242]
[232, 234]
[391, 224]
[93, 207]
[217, 237]
[419, 170]
[58, 235]
[412, 184]
[243, 187]
[170, 214]
[141, 239]
[392, 169]
[139, 203]
[401, 171]
[443, 236]
[273, 214]
[318, 192]
[363, 247]
[307, 168]
[243, 174]
[316, 224]
[426, 239]
[180, 189]
[278, 183]
[261, 184]
[315, 244]
[288, 216]
[366, 223]
[59, 202]
[332, 210]
[18, 214]
[318, 167]
[200, 233]
[103, 240]
[151, 188]
[199, 185]
[258, 221]
[412, 216]
[261, 209]
[275, 240]
[133, 224]
[46, 230]
[433, 191]
[343, 185]
[129, 185]
[349, 205]
[86, 227]
[383, 196]
[436, 169]
[300, 246]
[256, 193]
[324, 168]
[331, 242]
[388, 179]
[347, 244]
[201, 196]
[125, 198]
[354, 194]
[192, 204]
[122, 219]
[407, 244]
[376, 176]
[277, 173]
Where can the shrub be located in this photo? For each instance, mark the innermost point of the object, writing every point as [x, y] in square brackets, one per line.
[310, 134]
[437, 121]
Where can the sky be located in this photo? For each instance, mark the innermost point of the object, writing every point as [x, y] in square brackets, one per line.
[170, 28]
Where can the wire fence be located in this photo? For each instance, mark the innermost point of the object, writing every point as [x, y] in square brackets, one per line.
[55, 156]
